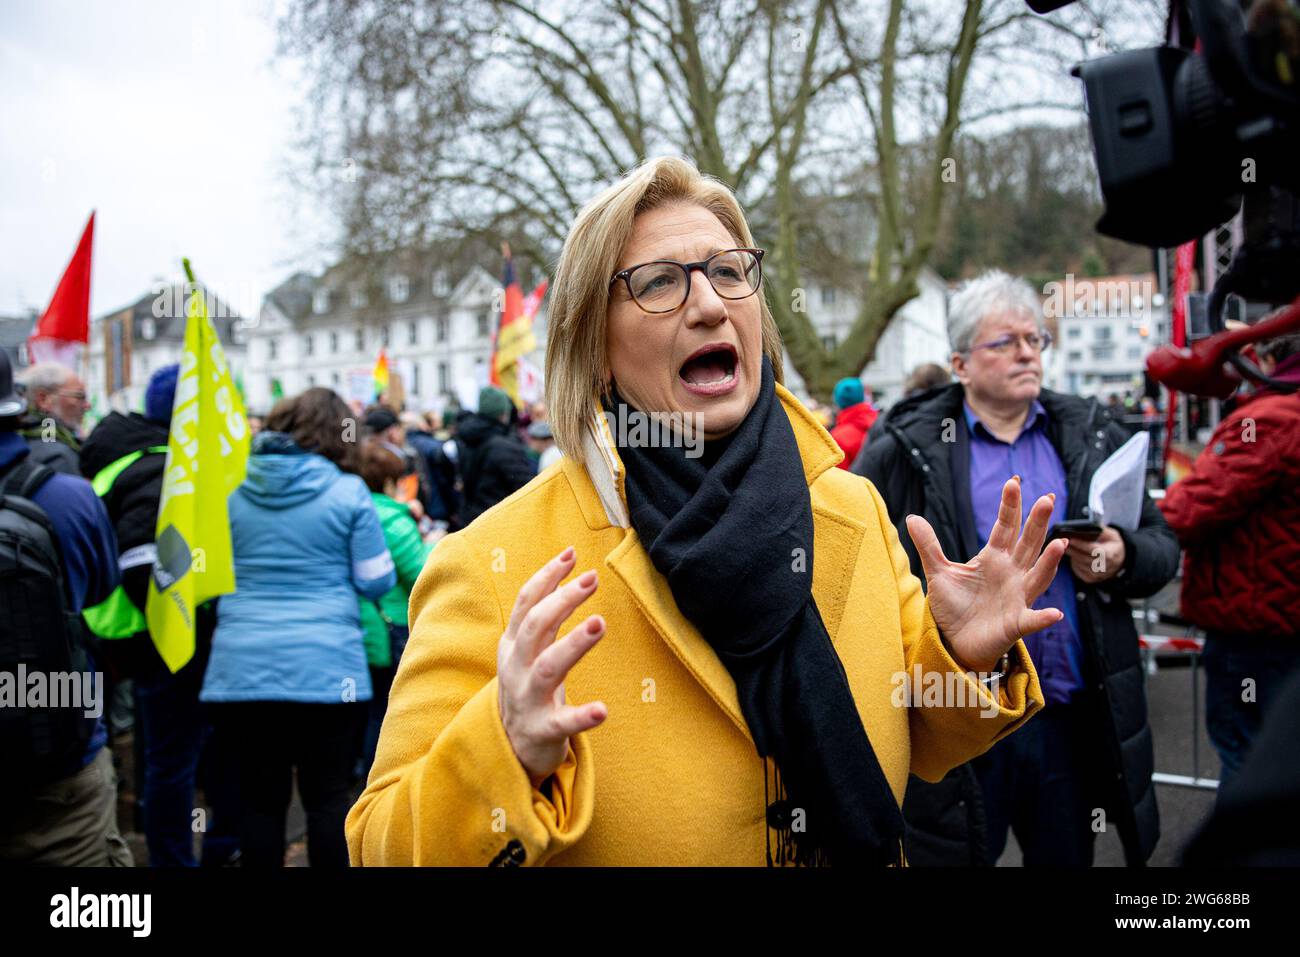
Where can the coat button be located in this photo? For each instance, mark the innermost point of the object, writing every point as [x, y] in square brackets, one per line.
[778, 815]
[1080, 596]
[512, 855]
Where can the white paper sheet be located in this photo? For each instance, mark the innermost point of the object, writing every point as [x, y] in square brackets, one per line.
[1119, 485]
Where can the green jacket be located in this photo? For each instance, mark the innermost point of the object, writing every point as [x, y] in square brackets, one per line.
[409, 552]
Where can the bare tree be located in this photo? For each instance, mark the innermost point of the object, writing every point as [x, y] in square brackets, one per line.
[499, 118]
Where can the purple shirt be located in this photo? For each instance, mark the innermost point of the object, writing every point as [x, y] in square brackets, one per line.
[1055, 651]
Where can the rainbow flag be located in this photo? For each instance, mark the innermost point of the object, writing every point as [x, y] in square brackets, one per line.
[380, 374]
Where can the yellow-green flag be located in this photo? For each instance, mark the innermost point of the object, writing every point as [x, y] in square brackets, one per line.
[207, 455]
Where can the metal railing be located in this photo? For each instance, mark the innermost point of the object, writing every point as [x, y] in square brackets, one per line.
[1187, 646]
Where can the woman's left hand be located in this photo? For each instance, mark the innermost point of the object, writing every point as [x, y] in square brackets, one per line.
[982, 606]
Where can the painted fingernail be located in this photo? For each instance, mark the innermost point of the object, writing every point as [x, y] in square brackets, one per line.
[1016, 479]
[595, 626]
[1052, 496]
[587, 580]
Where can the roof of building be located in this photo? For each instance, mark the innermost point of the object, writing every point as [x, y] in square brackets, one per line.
[165, 305]
[452, 262]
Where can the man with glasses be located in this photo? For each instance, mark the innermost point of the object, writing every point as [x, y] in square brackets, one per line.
[56, 403]
[1084, 764]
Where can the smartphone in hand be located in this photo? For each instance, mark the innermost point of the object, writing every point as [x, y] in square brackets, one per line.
[1079, 528]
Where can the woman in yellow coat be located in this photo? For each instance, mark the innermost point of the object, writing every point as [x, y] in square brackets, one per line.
[694, 641]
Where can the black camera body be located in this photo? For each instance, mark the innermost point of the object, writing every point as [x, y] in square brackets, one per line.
[1181, 135]
[1188, 134]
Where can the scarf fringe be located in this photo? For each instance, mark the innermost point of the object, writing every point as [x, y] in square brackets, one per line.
[788, 852]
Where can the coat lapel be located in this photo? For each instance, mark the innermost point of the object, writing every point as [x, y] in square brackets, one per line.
[655, 600]
[602, 500]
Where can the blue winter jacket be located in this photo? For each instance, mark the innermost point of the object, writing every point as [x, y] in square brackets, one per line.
[306, 541]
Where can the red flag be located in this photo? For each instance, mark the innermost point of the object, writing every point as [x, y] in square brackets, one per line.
[65, 325]
[1184, 260]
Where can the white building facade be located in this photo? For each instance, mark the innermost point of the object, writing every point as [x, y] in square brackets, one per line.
[1105, 329]
[435, 328]
[129, 345]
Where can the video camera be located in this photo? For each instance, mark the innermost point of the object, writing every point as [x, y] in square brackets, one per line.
[1187, 134]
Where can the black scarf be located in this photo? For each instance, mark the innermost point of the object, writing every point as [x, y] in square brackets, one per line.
[732, 532]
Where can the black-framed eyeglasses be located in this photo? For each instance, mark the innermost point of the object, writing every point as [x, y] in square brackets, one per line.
[1005, 345]
[664, 285]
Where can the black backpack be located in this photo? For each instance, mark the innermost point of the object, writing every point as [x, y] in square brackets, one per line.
[40, 635]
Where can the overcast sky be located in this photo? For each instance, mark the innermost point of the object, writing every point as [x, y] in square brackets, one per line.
[168, 117]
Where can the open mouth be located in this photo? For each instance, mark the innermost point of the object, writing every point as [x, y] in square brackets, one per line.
[710, 370]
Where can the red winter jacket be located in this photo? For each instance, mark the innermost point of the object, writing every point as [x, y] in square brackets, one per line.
[1237, 516]
[851, 428]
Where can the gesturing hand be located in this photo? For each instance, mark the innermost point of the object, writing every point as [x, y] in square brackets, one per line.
[982, 606]
[532, 666]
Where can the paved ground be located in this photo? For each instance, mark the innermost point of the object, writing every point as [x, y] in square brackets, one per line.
[1169, 699]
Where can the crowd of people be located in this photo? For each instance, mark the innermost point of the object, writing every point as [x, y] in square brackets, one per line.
[329, 531]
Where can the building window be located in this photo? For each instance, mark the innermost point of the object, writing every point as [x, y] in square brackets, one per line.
[320, 301]
[272, 347]
[1103, 353]
[398, 288]
[148, 328]
[441, 285]
[311, 381]
[441, 327]
[1074, 332]
[828, 342]
[308, 345]
[359, 298]
[828, 296]
[415, 378]
[444, 380]
[1101, 333]
[1135, 352]
[334, 378]
[1076, 356]
[383, 336]
[483, 324]
[334, 342]
[359, 342]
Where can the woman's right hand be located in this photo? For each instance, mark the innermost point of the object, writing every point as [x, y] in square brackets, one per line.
[532, 666]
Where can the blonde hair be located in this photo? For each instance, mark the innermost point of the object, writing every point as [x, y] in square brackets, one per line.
[577, 367]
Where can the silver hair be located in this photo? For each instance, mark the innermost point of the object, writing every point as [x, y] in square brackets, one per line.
[991, 292]
[44, 377]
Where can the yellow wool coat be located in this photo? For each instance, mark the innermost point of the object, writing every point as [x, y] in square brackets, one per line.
[672, 776]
